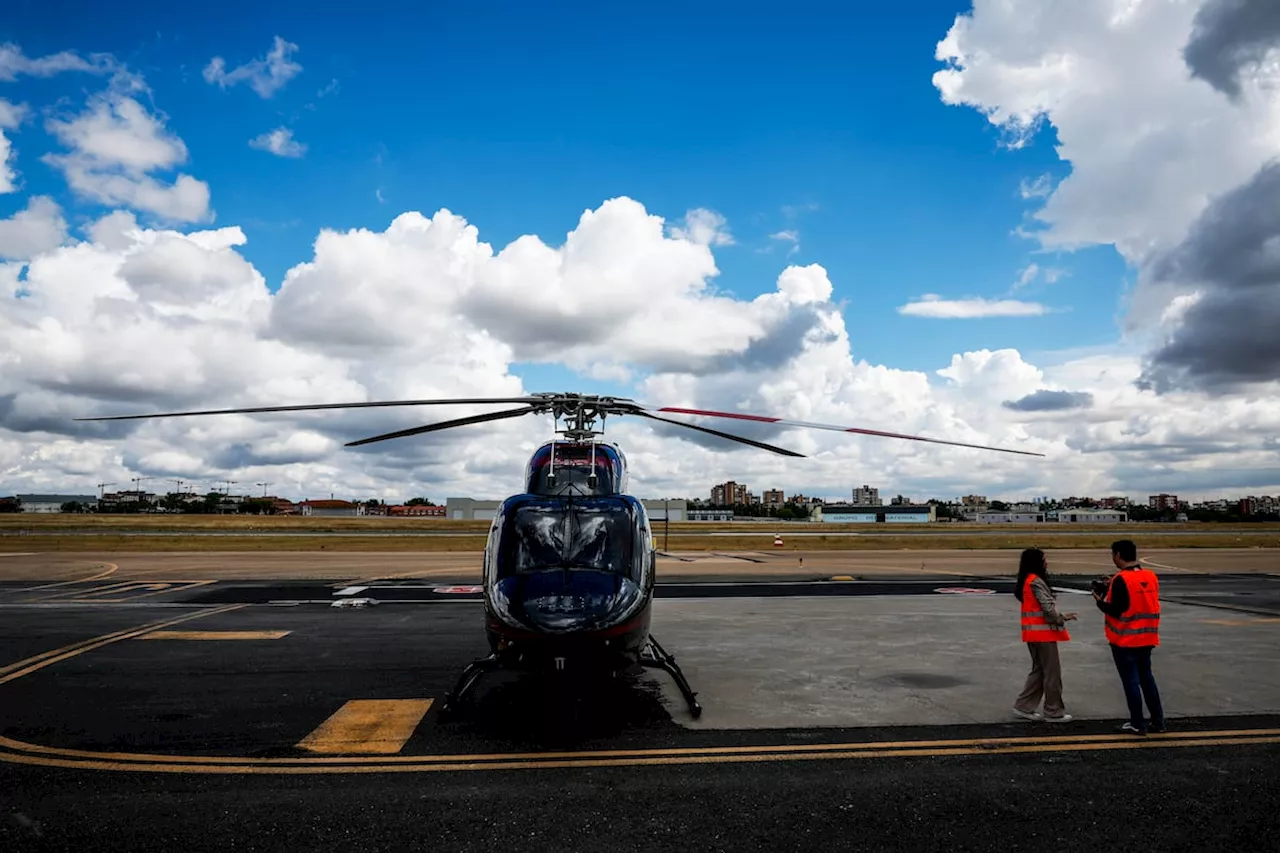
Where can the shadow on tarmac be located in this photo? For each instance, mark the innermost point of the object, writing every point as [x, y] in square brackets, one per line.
[553, 711]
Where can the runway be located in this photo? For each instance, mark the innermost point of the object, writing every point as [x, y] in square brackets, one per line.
[222, 712]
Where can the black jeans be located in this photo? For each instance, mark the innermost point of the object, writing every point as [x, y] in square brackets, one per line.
[1134, 666]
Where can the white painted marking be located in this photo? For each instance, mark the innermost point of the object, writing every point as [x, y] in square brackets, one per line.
[351, 590]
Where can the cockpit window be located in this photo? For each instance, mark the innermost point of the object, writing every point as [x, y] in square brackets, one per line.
[572, 534]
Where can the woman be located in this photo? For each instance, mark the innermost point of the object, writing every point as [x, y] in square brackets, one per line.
[1043, 627]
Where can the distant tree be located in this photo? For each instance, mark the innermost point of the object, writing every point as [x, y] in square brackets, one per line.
[418, 502]
[258, 506]
[74, 506]
[10, 504]
[999, 506]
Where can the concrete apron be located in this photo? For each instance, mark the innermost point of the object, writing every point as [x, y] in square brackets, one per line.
[939, 660]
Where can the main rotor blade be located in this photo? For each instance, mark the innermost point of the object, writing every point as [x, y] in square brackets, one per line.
[473, 419]
[319, 406]
[785, 422]
[750, 441]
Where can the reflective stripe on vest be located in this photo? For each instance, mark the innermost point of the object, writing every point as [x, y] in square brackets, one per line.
[1139, 626]
[1035, 626]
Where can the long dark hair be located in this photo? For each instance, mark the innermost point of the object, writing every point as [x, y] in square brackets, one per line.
[1031, 563]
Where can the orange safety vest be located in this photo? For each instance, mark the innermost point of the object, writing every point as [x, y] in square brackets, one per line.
[1139, 626]
[1035, 625]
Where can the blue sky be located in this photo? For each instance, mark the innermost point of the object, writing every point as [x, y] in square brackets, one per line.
[520, 118]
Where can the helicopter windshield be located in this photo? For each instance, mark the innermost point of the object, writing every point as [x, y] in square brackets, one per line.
[583, 534]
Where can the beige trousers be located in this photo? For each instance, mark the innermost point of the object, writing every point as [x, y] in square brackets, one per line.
[1045, 679]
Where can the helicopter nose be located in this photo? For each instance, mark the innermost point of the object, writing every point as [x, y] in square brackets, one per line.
[583, 601]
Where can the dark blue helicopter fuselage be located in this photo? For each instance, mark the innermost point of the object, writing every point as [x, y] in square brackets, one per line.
[569, 565]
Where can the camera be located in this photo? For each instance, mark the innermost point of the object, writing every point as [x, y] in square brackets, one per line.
[1099, 586]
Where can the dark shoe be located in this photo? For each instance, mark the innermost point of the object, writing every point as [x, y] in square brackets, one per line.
[1130, 729]
[1156, 728]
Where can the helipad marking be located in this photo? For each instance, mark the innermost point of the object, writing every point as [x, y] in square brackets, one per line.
[112, 567]
[214, 635]
[368, 725]
[351, 590]
[40, 661]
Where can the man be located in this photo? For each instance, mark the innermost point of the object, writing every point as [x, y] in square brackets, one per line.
[1131, 620]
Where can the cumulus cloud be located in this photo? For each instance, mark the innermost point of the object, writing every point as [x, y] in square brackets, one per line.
[11, 115]
[37, 228]
[137, 319]
[266, 76]
[1226, 332]
[934, 306]
[1159, 160]
[115, 144]
[1231, 37]
[1045, 400]
[279, 142]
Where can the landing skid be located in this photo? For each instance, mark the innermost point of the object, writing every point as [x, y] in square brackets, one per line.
[467, 680]
[655, 656]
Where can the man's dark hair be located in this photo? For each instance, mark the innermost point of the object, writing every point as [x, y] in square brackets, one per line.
[1126, 549]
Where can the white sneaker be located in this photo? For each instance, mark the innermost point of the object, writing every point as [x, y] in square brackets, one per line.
[1065, 718]
[1034, 716]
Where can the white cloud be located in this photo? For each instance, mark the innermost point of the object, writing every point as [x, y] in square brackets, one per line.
[1028, 275]
[1041, 187]
[1148, 143]
[115, 143]
[33, 230]
[704, 227]
[14, 63]
[933, 305]
[279, 142]
[146, 320]
[11, 115]
[265, 76]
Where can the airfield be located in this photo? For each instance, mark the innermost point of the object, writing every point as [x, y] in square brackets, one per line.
[272, 697]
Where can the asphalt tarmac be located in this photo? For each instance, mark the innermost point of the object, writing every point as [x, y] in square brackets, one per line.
[871, 715]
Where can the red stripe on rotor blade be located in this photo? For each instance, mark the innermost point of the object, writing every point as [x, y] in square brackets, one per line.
[734, 415]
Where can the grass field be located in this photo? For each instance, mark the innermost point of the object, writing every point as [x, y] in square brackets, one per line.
[25, 532]
[53, 523]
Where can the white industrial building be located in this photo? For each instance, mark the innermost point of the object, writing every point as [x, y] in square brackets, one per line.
[1008, 517]
[470, 509]
[899, 514]
[53, 503]
[1087, 516]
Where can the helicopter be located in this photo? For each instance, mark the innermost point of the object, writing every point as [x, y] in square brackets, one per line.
[570, 564]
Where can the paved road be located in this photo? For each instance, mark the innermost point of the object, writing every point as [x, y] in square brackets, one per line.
[190, 717]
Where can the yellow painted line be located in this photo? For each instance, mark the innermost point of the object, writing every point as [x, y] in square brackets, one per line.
[1236, 623]
[99, 576]
[978, 745]
[52, 652]
[842, 578]
[97, 590]
[40, 661]
[214, 635]
[368, 725]
[139, 589]
[533, 762]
